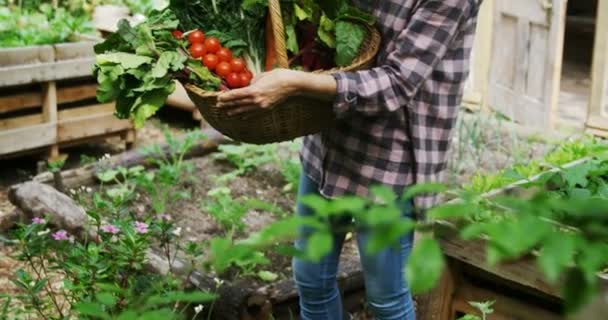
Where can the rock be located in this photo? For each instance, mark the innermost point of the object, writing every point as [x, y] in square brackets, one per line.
[8, 220]
[41, 200]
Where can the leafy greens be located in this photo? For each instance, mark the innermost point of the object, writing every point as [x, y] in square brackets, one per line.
[137, 66]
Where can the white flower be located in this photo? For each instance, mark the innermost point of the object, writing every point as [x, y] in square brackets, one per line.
[89, 190]
[198, 309]
[106, 156]
[218, 281]
[177, 231]
[41, 233]
[72, 191]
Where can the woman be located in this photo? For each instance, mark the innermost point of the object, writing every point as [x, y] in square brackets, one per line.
[394, 127]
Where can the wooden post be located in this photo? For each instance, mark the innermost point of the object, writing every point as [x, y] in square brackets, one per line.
[597, 122]
[437, 304]
[49, 113]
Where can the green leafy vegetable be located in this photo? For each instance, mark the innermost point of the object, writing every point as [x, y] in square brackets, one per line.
[137, 67]
[349, 37]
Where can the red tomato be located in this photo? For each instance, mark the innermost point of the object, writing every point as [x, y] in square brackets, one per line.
[233, 80]
[210, 61]
[248, 73]
[196, 36]
[237, 65]
[223, 69]
[212, 44]
[244, 79]
[177, 34]
[224, 54]
[197, 50]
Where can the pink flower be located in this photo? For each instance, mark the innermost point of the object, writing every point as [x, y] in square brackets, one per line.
[38, 220]
[112, 229]
[60, 235]
[141, 227]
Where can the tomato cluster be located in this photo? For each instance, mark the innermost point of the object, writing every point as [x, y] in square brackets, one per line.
[217, 58]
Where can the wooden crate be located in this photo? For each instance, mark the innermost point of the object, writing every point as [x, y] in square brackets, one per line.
[518, 287]
[55, 114]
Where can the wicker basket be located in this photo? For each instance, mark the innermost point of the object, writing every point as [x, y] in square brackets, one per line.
[293, 118]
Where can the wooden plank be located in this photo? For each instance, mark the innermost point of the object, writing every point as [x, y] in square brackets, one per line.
[505, 308]
[27, 138]
[74, 50]
[88, 111]
[598, 102]
[23, 121]
[25, 74]
[26, 55]
[20, 101]
[76, 93]
[437, 304]
[90, 126]
[27, 100]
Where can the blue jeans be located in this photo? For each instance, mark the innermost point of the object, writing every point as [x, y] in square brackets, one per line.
[387, 293]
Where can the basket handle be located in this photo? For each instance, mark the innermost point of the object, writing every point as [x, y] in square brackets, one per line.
[276, 20]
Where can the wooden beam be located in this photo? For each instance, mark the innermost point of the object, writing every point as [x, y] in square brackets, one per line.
[505, 307]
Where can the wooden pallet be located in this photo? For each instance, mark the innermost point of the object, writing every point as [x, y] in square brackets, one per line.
[52, 115]
[47, 100]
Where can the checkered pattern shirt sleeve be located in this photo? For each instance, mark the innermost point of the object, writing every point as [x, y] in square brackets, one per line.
[418, 48]
[395, 120]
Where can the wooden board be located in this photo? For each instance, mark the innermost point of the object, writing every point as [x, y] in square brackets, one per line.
[526, 59]
[32, 99]
[16, 75]
[505, 308]
[30, 137]
[46, 63]
[90, 126]
[597, 121]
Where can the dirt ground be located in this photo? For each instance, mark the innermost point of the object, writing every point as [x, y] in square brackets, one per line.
[481, 143]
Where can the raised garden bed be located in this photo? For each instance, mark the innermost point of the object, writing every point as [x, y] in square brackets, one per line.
[519, 287]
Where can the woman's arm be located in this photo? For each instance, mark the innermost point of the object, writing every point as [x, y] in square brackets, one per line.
[272, 87]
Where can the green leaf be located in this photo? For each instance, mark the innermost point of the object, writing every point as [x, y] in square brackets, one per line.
[424, 266]
[202, 75]
[423, 188]
[556, 254]
[301, 14]
[126, 60]
[107, 175]
[127, 315]
[168, 61]
[326, 31]
[577, 291]
[92, 309]
[150, 102]
[450, 211]
[292, 40]
[267, 276]
[179, 296]
[349, 37]
[382, 238]
[384, 193]
[577, 175]
[319, 244]
[106, 298]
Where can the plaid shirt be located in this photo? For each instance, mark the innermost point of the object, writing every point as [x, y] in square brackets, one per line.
[395, 120]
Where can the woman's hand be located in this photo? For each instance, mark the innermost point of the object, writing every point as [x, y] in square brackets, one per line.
[266, 90]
